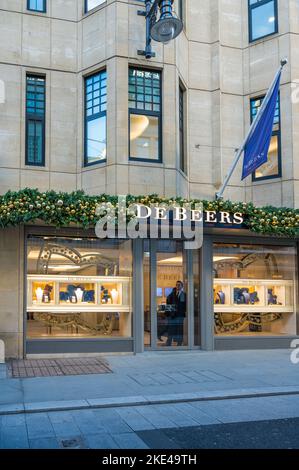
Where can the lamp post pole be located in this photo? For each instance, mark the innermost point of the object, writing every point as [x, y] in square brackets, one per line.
[150, 9]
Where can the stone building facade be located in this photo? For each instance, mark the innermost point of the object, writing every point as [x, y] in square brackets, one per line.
[213, 61]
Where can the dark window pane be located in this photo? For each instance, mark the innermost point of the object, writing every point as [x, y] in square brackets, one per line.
[35, 119]
[35, 142]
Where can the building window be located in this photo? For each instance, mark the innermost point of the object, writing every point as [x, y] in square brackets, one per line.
[95, 118]
[183, 165]
[272, 168]
[254, 289]
[35, 120]
[37, 5]
[91, 4]
[145, 115]
[263, 18]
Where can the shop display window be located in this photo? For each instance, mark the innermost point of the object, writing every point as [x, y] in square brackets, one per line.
[254, 289]
[78, 288]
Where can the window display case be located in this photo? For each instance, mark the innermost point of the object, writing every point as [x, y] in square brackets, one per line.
[86, 303]
[254, 306]
[231, 295]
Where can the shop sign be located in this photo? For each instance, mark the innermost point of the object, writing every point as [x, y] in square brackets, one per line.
[161, 221]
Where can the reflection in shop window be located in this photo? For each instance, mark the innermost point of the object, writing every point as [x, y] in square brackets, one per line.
[145, 114]
[171, 295]
[254, 289]
[78, 288]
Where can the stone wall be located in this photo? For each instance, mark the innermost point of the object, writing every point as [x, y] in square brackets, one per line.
[12, 290]
[212, 58]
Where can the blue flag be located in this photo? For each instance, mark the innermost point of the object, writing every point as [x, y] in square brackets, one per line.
[257, 146]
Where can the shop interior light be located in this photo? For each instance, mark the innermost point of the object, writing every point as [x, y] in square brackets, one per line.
[224, 258]
[139, 124]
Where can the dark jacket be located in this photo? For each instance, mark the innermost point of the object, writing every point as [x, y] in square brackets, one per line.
[179, 302]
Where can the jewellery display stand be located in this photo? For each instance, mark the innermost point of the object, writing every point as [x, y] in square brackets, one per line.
[77, 300]
[266, 302]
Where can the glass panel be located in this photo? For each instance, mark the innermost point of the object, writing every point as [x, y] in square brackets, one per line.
[31, 142]
[90, 4]
[35, 142]
[271, 167]
[78, 288]
[254, 288]
[263, 20]
[35, 95]
[96, 140]
[142, 85]
[39, 142]
[37, 5]
[196, 298]
[144, 137]
[171, 295]
[147, 294]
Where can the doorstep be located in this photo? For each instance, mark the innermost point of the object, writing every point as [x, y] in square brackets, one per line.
[93, 403]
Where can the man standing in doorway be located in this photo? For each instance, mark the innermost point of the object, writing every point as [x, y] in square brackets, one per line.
[176, 319]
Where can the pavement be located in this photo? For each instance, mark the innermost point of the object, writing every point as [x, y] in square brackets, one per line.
[158, 400]
[260, 422]
[156, 378]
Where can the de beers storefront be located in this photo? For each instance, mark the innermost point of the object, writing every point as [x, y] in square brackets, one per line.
[83, 294]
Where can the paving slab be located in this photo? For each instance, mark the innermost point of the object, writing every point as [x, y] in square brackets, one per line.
[157, 378]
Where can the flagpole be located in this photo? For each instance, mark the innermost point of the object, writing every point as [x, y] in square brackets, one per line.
[219, 194]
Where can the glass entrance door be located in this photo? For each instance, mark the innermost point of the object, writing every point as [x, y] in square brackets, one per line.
[171, 295]
[170, 312]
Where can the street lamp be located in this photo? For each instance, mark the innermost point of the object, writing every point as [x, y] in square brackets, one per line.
[168, 27]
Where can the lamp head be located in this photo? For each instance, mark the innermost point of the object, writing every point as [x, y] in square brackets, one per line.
[168, 27]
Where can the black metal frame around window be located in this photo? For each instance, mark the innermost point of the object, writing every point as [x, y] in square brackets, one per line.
[44, 10]
[35, 117]
[93, 117]
[145, 112]
[86, 10]
[181, 10]
[182, 143]
[258, 5]
[274, 133]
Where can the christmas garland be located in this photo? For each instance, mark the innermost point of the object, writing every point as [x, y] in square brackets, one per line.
[63, 209]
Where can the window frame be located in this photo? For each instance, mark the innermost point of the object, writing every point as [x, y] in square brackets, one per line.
[36, 118]
[181, 10]
[144, 112]
[44, 10]
[274, 133]
[86, 10]
[250, 10]
[97, 116]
